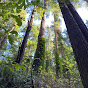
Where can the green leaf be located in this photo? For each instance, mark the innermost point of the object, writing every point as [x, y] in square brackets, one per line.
[11, 69]
[18, 10]
[10, 39]
[18, 20]
[9, 58]
[14, 32]
[22, 67]
[35, 2]
[6, 31]
[3, 55]
[20, 1]
[28, 60]
[17, 67]
[0, 61]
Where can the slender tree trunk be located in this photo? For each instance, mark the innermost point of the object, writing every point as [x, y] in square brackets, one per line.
[29, 51]
[24, 43]
[40, 51]
[3, 41]
[56, 47]
[78, 19]
[78, 42]
[48, 52]
[56, 54]
[47, 64]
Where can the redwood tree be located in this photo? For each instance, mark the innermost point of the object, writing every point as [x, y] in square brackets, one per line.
[78, 19]
[78, 42]
[40, 51]
[57, 58]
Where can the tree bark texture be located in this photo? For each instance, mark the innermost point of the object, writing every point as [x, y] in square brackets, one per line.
[3, 41]
[78, 42]
[24, 43]
[39, 54]
[78, 19]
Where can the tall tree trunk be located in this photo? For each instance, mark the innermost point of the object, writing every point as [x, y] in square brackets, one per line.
[56, 46]
[78, 42]
[29, 51]
[78, 19]
[47, 64]
[3, 41]
[48, 52]
[24, 43]
[40, 51]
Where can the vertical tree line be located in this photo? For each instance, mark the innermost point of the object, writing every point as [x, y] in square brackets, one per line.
[78, 40]
[57, 58]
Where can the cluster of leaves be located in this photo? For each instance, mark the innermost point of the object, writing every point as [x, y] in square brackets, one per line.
[14, 76]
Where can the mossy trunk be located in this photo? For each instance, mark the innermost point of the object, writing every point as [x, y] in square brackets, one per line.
[57, 64]
[57, 58]
[40, 51]
[78, 42]
[39, 54]
[56, 54]
[24, 43]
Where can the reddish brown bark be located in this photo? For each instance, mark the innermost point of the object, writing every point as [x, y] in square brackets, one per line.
[24, 43]
[78, 42]
[78, 19]
[42, 27]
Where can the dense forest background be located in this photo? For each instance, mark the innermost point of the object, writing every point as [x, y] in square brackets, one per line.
[35, 50]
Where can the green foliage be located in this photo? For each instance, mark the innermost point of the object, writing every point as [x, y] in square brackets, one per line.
[59, 68]
[10, 78]
[10, 37]
[18, 19]
[17, 67]
[14, 32]
[36, 2]
[11, 69]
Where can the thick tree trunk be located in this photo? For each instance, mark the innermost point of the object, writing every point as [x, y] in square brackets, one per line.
[78, 42]
[78, 19]
[39, 54]
[40, 51]
[23, 46]
[42, 27]
[3, 41]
